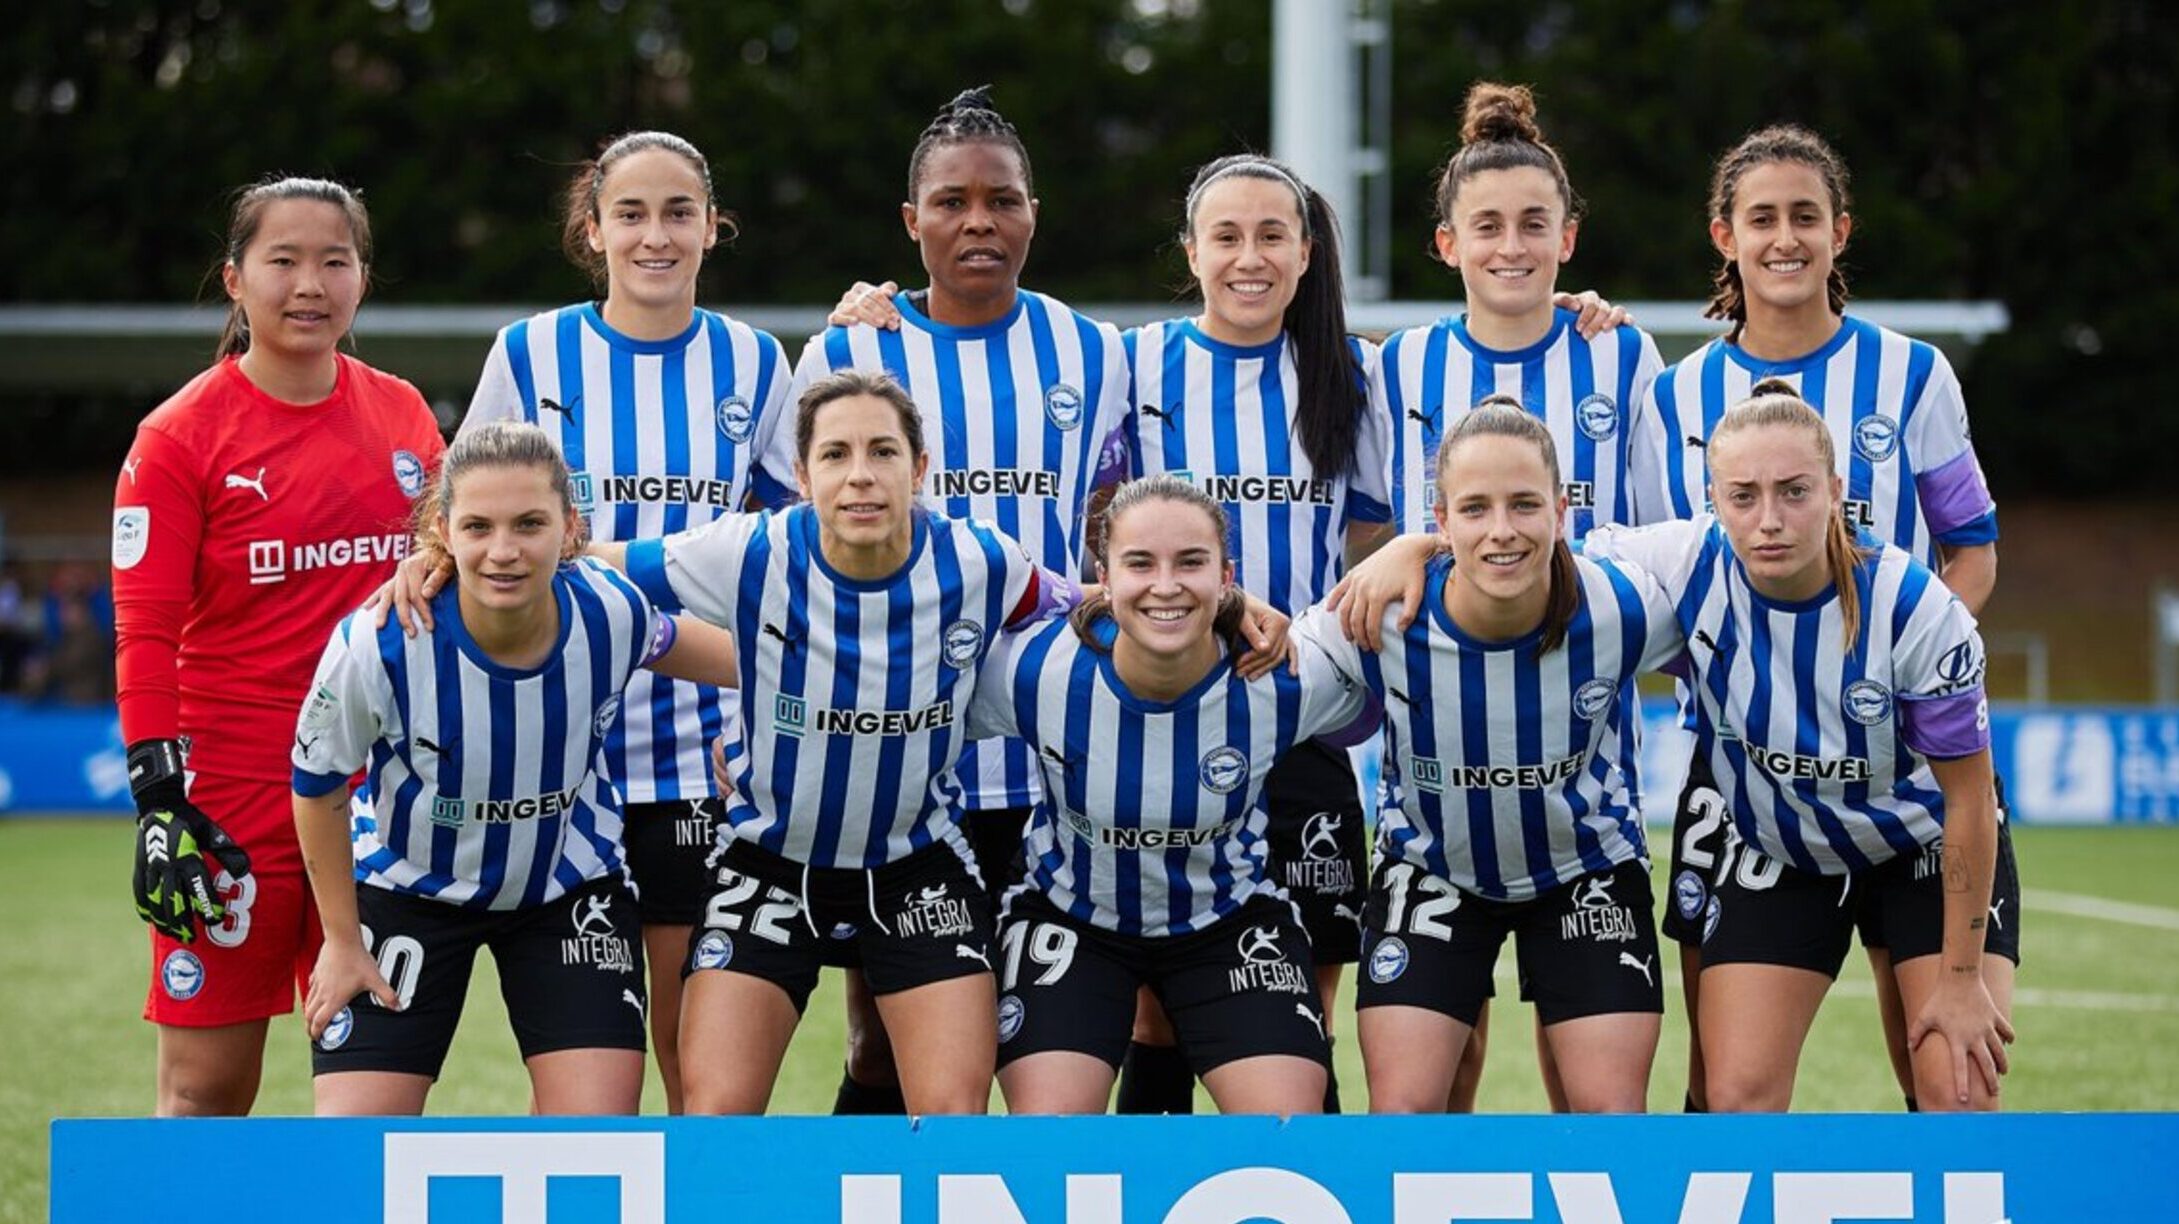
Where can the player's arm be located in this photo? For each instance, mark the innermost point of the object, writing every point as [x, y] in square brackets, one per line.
[1970, 572]
[1950, 486]
[497, 397]
[1961, 1011]
[1393, 574]
[158, 525]
[696, 651]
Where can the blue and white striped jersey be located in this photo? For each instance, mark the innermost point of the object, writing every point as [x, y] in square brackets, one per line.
[1898, 425]
[661, 436]
[484, 788]
[1515, 774]
[1223, 417]
[1151, 825]
[1585, 390]
[1820, 751]
[1016, 417]
[854, 693]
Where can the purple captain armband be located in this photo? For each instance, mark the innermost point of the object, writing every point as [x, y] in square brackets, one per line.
[1953, 725]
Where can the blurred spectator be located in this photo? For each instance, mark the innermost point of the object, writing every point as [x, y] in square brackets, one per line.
[20, 628]
[75, 663]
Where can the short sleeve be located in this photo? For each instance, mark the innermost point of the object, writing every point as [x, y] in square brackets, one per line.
[991, 707]
[1937, 675]
[1649, 486]
[699, 569]
[1667, 552]
[340, 718]
[1640, 506]
[1663, 641]
[777, 455]
[1948, 478]
[770, 483]
[1369, 487]
[497, 397]
[1335, 704]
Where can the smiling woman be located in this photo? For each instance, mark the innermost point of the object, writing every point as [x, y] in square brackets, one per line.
[231, 489]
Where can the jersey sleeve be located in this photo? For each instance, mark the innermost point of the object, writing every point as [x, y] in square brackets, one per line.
[341, 718]
[1649, 491]
[699, 569]
[158, 523]
[1667, 552]
[1937, 675]
[1663, 641]
[1642, 507]
[1369, 487]
[1336, 706]
[1948, 478]
[991, 707]
[497, 397]
[774, 412]
[1117, 453]
[777, 456]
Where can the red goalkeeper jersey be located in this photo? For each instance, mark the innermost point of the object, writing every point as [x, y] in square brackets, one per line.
[244, 528]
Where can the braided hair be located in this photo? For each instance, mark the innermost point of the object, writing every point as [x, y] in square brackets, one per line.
[968, 119]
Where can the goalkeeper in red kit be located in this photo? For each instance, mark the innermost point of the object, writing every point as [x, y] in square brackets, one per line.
[265, 500]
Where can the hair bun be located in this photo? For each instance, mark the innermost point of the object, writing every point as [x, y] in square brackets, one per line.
[974, 99]
[1498, 112]
[1774, 386]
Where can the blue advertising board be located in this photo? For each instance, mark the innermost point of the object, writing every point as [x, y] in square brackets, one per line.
[2061, 764]
[1783, 1169]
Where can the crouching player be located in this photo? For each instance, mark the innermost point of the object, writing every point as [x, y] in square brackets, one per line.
[487, 823]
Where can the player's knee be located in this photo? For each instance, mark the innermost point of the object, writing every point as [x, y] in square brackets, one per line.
[1606, 1098]
[1727, 1090]
[183, 1095]
[870, 1055]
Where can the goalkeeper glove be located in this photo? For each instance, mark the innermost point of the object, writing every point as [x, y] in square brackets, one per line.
[173, 884]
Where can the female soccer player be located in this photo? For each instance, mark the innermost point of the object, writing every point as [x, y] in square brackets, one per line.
[1508, 686]
[1779, 219]
[1507, 220]
[1263, 399]
[1147, 866]
[1022, 396]
[861, 620]
[487, 824]
[661, 408]
[256, 507]
[1838, 692]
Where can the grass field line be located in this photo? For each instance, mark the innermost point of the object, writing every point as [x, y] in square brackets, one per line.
[2082, 905]
[2038, 996]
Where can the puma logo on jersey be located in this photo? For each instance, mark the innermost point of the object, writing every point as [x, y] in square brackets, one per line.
[1056, 757]
[236, 480]
[552, 405]
[1708, 643]
[1163, 414]
[305, 745]
[1697, 443]
[430, 746]
[1427, 421]
[1399, 696]
[129, 469]
[1641, 966]
[772, 630]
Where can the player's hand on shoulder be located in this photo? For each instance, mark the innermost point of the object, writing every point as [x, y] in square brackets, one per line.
[408, 594]
[1393, 574]
[867, 303]
[1596, 314]
[1264, 628]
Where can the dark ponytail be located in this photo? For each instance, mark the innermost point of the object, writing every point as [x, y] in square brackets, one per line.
[1333, 398]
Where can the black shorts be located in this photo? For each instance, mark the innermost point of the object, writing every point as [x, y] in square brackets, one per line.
[1585, 948]
[2004, 898]
[669, 850]
[996, 835]
[1698, 838]
[1763, 911]
[1317, 847]
[1242, 987]
[571, 972]
[923, 919]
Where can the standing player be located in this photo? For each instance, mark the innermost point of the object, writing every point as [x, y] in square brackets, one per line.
[1508, 686]
[256, 507]
[861, 620]
[487, 824]
[661, 409]
[1147, 863]
[1837, 688]
[1263, 401]
[1507, 218]
[1779, 219]
[1019, 394]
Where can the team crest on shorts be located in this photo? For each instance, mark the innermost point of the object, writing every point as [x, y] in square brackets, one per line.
[1709, 919]
[1223, 770]
[1593, 698]
[337, 1030]
[736, 421]
[714, 951]
[408, 472]
[1876, 436]
[1388, 960]
[1063, 406]
[1011, 1010]
[961, 643]
[1687, 891]
[181, 975]
[607, 711]
[1866, 702]
[1598, 416]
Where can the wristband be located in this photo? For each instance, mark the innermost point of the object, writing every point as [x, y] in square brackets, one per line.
[155, 771]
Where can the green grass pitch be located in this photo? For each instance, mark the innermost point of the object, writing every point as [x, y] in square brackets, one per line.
[2098, 1015]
